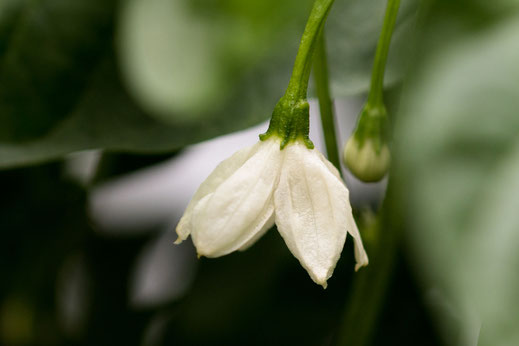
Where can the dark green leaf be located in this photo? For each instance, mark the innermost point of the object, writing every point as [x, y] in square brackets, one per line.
[48, 48]
[205, 68]
[106, 117]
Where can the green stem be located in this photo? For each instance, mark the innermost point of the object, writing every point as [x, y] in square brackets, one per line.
[371, 284]
[375, 97]
[290, 119]
[325, 102]
[298, 85]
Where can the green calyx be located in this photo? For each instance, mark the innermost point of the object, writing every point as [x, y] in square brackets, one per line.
[366, 153]
[373, 126]
[290, 122]
[291, 117]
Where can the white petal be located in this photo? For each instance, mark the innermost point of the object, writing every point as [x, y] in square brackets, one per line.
[240, 207]
[312, 211]
[361, 257]
[223, 171]
[328, 164]
[360, 254]
[268, 225]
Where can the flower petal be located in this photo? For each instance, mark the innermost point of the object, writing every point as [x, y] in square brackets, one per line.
[361, 257]
[268, 225]
[312, 211]
[360, 254]
[223, 171]
[241, 206]
[328, 164]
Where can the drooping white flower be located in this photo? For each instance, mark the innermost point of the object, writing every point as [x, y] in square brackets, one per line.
[296, 188]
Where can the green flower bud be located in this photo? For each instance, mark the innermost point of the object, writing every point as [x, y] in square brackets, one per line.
[366, 153]
[365, 161]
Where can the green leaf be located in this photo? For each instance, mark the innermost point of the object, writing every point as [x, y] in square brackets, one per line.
[98, 111]
[353, 29]
[47, 50]
[106, 117]
[457, 161]
[184, 60]
[200, 68]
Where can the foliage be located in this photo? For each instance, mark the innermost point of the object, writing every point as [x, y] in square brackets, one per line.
[191, 70]
[141, 79]
[459, 160]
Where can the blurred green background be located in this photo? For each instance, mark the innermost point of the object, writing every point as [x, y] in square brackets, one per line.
[132, 84]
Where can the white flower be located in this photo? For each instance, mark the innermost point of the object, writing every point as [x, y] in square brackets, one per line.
[296, 188]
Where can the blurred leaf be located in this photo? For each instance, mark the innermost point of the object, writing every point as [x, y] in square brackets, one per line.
[353, 29]
[60, 92]
[208, 67]
[190, 60]
[458, 166]
[187, 61]
[47, 51]
[106, 117]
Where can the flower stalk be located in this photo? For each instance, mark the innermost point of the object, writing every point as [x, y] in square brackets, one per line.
[325, 101]
[291, 117]
[367, 153]
[368, 143]
[375, 97]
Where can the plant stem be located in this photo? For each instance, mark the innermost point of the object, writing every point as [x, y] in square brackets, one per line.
[325, 102]
[291, 116]
[298, 85]
[375, 97]
[372, 283]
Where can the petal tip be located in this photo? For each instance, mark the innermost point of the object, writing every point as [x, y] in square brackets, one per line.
[359, 265]
[183, 230]
[321, 280]
[181, 236]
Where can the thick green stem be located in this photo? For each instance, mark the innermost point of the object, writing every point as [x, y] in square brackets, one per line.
[325, 101]
[298, 85]
[290, 118]
[375, 97]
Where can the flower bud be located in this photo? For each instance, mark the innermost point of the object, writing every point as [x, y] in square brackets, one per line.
[365, 160]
